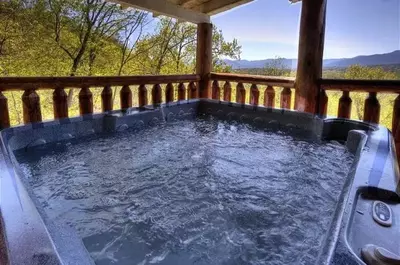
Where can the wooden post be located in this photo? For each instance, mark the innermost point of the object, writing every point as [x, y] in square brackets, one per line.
[254, 95]
[395, 126]
[85, 101]
[396, 116]
[311, 46]
[31, 106]
[60, 103]
[156, 94]
[345, 102]
[181, 91]
[125, 96]
[286, 98]
[142, 96]
[269, 97]
[216, 90]
[169, 93]
[323, 103]
[372, 108]
[4, 115]
[240, 93]
[193, 91]
[227, 91]
[204, 58]
[106, 99]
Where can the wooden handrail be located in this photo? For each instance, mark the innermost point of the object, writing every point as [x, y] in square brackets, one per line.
[255, 79]
[27, 83]
[356, 85]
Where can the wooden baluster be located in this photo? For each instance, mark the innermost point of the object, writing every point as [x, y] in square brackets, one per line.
[125, 96]
[345, 102]
[395, 125]
[254, 95]
[181, 91]
[60, 103]
[227, 91]
[142, 96]
[396, 116]
[286, 98]
[85, 101]
[169, 93]
[240, 93]
[4, 114]
[31, 106]
[216, 90]
[156, 94]
[193, 91]
[323, 103]
[106, 99]
[372, 108]
[269, 97]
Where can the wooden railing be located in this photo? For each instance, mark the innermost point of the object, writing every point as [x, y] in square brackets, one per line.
[224, 92]
[31, 100]
[372, 107]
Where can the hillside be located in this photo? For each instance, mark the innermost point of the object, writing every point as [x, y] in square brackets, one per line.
[392, 58]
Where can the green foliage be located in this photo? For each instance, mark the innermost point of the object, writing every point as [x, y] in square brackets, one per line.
[276, 67]
[93, 37]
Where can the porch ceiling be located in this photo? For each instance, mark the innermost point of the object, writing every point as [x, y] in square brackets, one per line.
[195, 11]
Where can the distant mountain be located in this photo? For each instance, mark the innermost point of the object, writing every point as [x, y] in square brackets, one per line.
[391, 58]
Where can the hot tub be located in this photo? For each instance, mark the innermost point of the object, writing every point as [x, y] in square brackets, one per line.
[245, 202]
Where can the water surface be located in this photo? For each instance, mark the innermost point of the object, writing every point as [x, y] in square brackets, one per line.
[192, 192]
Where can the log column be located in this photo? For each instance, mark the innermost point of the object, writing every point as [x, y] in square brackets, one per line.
[142, 96]
[4, 115]
[395, 126]
[60, 103]
[204, 58]
[286, 98]
[372, 108]
[269, 97]
[311, 46]
[193, 92]
[227, 91]
[254, 95]
[31, 106]
[344, 109]
[181, 91]
[125, 96]
[85, 101]
[106, 99]
[169, 93]
[157, 94]
[216, 90]
[240, 93]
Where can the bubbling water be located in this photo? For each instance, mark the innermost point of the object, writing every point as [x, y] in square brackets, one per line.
[192, 192]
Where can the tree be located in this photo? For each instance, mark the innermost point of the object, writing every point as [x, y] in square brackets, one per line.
[94, 23]
[366, 72]
[222, 49]
[276, 67]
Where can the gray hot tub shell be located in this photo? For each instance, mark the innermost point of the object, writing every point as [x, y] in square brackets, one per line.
[31, 238]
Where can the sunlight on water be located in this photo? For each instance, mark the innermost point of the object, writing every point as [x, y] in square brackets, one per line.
[192, 192]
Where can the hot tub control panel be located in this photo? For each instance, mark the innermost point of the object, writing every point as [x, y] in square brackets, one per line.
[382, 213]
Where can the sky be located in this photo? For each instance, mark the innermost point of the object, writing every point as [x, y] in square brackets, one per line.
[270, 28]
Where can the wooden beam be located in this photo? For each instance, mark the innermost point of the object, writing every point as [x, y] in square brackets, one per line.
[287, 82]
[356, 85]
[217, 6]
[311, 46]
[166, 8]
[204, 58]
[25, 83]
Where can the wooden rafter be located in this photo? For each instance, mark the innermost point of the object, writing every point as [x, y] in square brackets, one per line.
[167, 8]
[196, 11]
